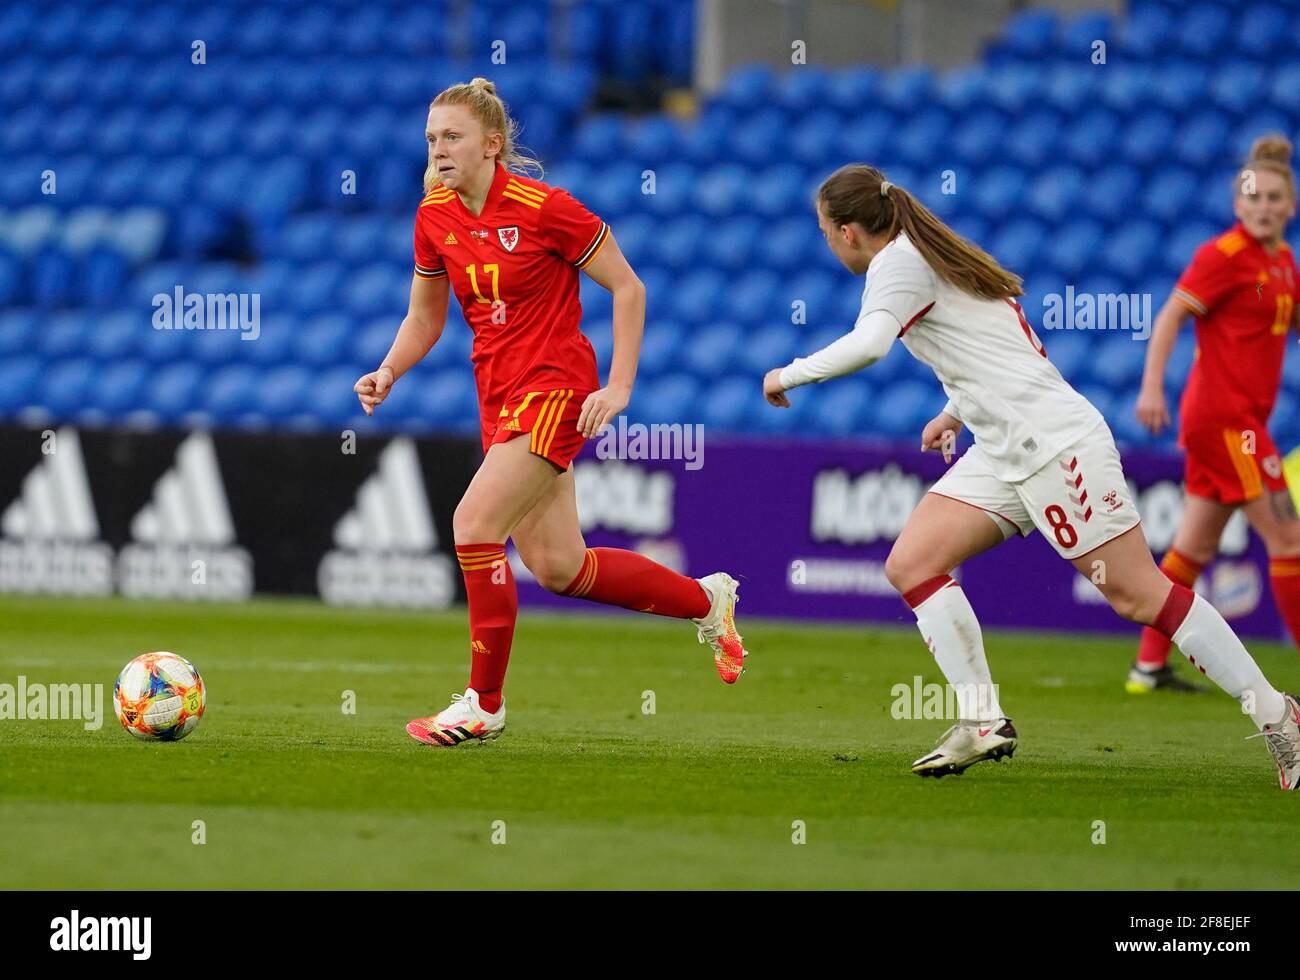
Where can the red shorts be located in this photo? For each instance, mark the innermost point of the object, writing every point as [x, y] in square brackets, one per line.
[1231, 465]
[550, 419]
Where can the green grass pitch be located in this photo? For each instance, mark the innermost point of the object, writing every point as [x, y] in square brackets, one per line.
[593, 792]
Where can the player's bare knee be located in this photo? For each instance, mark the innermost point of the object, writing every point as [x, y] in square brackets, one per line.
[469, 525]
[906, 570]
[1133, 604]
[554, 571]
[1284, 540]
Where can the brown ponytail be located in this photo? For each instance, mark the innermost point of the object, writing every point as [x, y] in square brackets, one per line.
[480, 97]
[1272, 153]
[853, 193]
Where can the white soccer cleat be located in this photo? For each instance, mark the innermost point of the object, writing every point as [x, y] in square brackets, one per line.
[965, 744]
[1283, 740]
[460, 721]
[718, 627]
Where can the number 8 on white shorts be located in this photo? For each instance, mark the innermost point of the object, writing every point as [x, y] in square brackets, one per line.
[1079, 500]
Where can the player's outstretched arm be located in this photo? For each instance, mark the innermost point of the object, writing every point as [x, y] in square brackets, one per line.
[426, 316]
[1152, 410]
[868, 341]
[611, 269]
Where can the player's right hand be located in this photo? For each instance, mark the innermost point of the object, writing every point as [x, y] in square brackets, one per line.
[1152, 411]
[373, 388]
[940, 433]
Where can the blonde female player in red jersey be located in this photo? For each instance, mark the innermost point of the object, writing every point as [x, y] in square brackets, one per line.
[1241, 287]
[1043, 457]
[511, 248]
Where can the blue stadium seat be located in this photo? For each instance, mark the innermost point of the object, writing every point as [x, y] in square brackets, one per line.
[19, 377]
[1117, 360]
[1073, 247]
[710, 350]
[280, 391]
[1018, 243]
[1147, 145]
[172, 389]
[903, 408]
[1111, 192]
[1057, 193]
[865, 137]
[229, 391]
[998, 191]
[854, 89]
[729, 401]
[1235, 86]
[1198, 32]
[1090, 140]
[961, 90]
[1145, 33]
[978, 138]
[11, 278]
[1132, 247]
[841, 407]
[1076, 36]
[1026, 36]
[1265, 31]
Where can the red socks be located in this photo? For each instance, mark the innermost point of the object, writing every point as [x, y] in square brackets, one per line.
[1174, 611]
[1153, 650]
[618, 577]
[1284, 574]
[493, 607]
[917, 595]
[610, 575]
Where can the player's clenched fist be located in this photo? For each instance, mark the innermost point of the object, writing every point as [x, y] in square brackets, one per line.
[941, 433]
[373, 388]
[773, 390]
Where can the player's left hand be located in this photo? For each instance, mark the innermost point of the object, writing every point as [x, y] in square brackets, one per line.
[773, 390]
[940, 433]
[600, 408]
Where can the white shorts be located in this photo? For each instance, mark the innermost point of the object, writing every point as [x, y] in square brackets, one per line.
[1079, 500]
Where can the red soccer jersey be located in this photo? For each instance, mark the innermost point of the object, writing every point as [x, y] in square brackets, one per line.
[1244, 300]
[514, 268]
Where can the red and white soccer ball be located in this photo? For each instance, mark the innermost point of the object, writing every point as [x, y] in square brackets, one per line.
[159, 697]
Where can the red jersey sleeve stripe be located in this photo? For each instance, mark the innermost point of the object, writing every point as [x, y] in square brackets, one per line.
[918, 316]
[1191, 300]
[424, 273]
[596, 245]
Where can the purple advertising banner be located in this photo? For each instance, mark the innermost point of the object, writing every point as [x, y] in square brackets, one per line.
[806, 527]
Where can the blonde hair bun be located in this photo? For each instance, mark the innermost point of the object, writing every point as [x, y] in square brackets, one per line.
[482, 83]
[1274, 146]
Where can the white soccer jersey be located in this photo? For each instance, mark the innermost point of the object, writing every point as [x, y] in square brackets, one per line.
[998, 378]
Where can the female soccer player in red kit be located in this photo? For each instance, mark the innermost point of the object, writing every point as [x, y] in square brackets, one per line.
[511, 248]
[1242, 289]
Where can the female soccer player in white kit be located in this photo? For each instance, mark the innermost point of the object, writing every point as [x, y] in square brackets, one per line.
[1043, 457]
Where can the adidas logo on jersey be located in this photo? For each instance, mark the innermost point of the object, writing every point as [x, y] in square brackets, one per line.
[183, 540]
[385, 547]
[50, 535]
[450, 239]
[511, 425]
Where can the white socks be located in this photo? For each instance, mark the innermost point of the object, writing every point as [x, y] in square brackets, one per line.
[951, 631]
[1210, 644]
